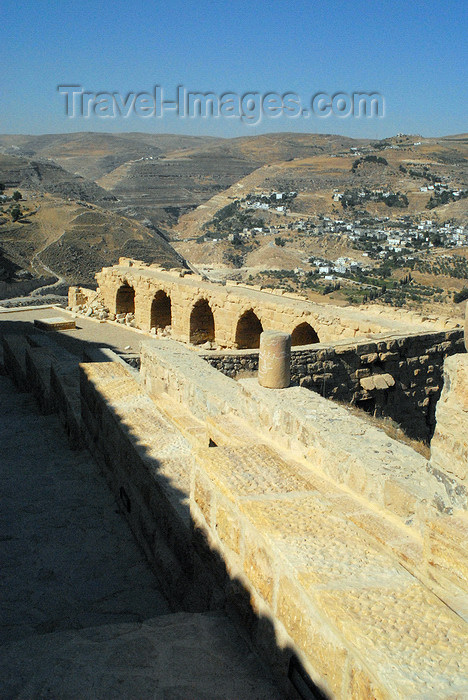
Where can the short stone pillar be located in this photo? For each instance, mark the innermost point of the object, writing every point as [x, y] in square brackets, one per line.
[274, 361]
[466, 327]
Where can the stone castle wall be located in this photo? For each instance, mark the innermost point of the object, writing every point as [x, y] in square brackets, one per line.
[232, 315]
[340, 551]
[352, 586]
[396, 377]
[78, 296]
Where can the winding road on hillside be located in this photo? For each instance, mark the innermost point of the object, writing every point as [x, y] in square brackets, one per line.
[40, 290]
[46, 291]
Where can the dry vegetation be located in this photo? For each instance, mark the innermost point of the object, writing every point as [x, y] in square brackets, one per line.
[145, 188]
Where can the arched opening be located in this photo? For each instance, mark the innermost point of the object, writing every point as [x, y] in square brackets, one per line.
[304, 334]
[161, 310]
[125, 300]
[248, 331]
[202, 328]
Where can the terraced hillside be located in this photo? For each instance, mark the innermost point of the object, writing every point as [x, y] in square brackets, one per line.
[71, 240]
[163, 189]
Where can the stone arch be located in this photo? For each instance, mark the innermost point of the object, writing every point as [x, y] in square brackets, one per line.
[125, 299]
[202, 326]
[161, 311]
[304, 334]
[248, 330]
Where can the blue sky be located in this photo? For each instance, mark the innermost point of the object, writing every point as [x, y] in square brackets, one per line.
[413, 53]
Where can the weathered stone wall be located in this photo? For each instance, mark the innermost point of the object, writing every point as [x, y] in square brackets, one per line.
[332, 576]
[147, 464]
[397, 377]
[446, 540]
[239, 312]
[449, 446]
[77, 296]
[330, 542]
[466, 326]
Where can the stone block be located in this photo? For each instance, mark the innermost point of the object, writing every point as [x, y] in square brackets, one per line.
[228, 527]
[366, 348]
[377, 381]
[359, 373]
[325, 654]
[323, 378]
[202, 495]
[370, 358]
[399, 501]
[412, 643]
[466, 327]
[361, 687]
[389, 357]
[446, 548]
[54, 323]
[259, 566]
[239, 472]
[230, 431]
[345, 349]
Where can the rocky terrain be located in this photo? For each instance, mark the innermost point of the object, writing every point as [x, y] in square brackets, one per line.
[47, 176]
[57, 240]
[90, 197]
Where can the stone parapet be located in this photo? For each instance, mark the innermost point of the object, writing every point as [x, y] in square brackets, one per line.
[237, 313]
[170, 368]
[393, 376]
[449, 446]
[355, 455]
[466, 326]
[360, 624]
[341, 552]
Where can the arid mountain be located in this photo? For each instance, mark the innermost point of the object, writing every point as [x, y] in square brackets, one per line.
[93, 155]
[160, 177]
[47, 176]
[149, 190]
[55, 238]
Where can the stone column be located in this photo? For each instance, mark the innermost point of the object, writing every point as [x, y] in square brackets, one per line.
[274, 360]
[466, 326]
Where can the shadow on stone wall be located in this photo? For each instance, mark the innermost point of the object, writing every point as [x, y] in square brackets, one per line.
[120, 432]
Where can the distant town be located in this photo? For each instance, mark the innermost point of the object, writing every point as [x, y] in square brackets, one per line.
[382, 244]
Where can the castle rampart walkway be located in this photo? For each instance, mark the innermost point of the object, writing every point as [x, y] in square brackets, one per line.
[233, 315]
[81, 615]
[339, 550]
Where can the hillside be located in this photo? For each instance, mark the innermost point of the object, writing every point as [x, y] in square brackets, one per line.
[73, 240]
[317, 177]
[93, 155]
[46, 176]
[212, 199]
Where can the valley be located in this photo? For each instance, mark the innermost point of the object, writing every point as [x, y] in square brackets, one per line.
[337, 219]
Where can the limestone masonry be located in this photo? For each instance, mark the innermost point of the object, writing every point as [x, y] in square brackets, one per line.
[338, 551]
[388, 363]
[233, 315]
